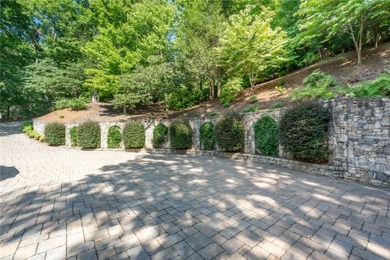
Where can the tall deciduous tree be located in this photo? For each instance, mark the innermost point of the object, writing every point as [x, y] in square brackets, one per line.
[327, 18]
[200, 26]
[128, 33]
[250, 47]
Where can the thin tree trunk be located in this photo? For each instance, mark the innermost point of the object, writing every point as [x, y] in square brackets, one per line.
[356, 43]
[320, 53]
[361, 30]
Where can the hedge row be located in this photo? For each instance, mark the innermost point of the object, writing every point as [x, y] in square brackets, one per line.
[302, 131]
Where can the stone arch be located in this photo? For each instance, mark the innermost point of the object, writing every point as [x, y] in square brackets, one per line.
[266, 136]
[207, 136]
[114, 136]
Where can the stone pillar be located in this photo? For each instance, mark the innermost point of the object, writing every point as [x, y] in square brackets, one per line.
[104, 134]
[149, 125]
[39, 126]
[68, 127]
[195, 125]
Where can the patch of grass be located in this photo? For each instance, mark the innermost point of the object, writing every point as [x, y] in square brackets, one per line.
[213, 114]
[277, 105]
[250, 109]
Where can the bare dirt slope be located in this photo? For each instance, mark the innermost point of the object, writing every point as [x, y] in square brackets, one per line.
[343, 67]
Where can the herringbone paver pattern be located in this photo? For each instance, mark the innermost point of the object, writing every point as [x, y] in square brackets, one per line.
[61, 203]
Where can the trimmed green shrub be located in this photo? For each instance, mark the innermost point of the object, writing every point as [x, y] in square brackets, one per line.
[134, 135]
[160, 136]
[266, 136]
[303, 132]
[180, 134]
[73, 136]
[207, 136]
[55, 134]
[114, 137]
[229, 132]
[88, 135]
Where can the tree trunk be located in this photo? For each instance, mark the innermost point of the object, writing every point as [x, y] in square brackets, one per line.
[320, 53]
[357, 42]
[8, 111]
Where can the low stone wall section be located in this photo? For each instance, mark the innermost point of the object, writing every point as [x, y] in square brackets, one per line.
[359, 140]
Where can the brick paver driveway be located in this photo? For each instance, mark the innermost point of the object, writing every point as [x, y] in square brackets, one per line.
[61, 203]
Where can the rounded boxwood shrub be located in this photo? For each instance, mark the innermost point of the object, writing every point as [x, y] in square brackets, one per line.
[55, 134]
[229, 132]
[266, 136]
[73, 136]
[88, 135]
[303, 132]
[160, 135]
[134, 135]
[207, 136]
[180, 134]
[114, 137]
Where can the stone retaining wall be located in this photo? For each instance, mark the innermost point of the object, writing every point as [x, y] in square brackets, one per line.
[359, 140]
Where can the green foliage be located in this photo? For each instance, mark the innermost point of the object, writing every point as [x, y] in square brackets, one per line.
[229, 132]
[251, 47]
[317, 85]
[180, 135]
[33, 134]
[75, 104]
[207, 136]
[303, 132]
[250, 109]
[253, 99]
[213, 114]
[130, 32]
[280, 89]
[160, 136]
[185, 97]
[88, 135]
[27, 126]
[28, 129]
[277, 105]
[229, 91]
[327, 20]
[134, 135]
[266, 136]
[55, 134]
[380, 87]
[114, 137]
[73, 136]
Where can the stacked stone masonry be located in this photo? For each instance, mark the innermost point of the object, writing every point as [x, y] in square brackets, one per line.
[359, 140]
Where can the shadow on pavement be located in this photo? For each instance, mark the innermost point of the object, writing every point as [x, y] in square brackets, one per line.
[7, 172]
[180, 206]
